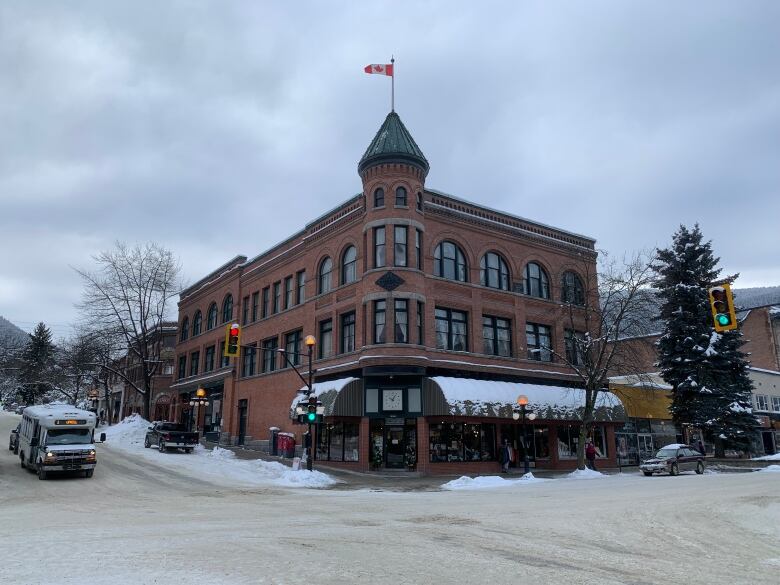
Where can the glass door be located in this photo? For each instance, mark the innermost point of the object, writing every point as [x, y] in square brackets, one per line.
[646, 450]
[394, 447]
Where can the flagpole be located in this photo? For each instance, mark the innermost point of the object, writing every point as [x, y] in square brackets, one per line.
[392, 85]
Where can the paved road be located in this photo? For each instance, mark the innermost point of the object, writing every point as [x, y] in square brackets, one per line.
[137, 522]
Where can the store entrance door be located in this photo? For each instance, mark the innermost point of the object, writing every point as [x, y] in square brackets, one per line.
[394, 447]
[646, 450]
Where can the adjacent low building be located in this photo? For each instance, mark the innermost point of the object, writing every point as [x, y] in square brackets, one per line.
[431, 315]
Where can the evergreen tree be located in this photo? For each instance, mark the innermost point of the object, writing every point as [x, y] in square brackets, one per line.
[37, 364]
[707, 371]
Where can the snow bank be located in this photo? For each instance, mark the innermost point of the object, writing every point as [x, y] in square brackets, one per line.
[771, 469]
[212, 463]
[775, 457]
[488, 481]
[585, 474]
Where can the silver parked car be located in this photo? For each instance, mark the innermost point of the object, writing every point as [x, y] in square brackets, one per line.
[673, 459]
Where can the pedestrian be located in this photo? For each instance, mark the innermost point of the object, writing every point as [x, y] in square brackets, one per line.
[504, 456]
[700, 447]
[590, 454]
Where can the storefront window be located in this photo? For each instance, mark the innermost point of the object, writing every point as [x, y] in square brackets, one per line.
[339, 442]
[542, 442]
[568, 439]
[351, 441]
[336, 451]
[462, 442]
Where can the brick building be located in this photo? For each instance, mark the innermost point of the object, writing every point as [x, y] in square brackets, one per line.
[431, 315]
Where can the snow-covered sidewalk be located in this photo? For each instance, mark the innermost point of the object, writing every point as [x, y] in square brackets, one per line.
[496, 481]
[129, 436]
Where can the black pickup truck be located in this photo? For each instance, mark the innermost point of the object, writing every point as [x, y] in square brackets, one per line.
[168, 435]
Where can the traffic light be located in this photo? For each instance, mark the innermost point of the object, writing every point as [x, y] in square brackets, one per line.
[232, 340]
[722, 304]
[311, 410]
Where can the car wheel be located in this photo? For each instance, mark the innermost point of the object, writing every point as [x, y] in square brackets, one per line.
[41, 472]
[700, 467]
[674, 470]
[89, 472]
[161, 446]
[21, 461]
[647, 473]
[147, 443]
[16, 449]
[188, 450]
[10, 446]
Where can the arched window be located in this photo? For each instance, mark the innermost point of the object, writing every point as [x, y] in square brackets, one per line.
[349, 265]
[197, 320]
[379, 197]
[211, 321]
[536, 283]
[572, 290]
[227, 308]
[400, 196]
[449, 262]
[326, 267]
[185, 329]
[493, 271]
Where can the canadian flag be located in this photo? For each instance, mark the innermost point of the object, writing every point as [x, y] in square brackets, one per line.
[379, 69]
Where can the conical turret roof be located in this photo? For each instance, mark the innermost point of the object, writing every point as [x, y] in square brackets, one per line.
[393, 144]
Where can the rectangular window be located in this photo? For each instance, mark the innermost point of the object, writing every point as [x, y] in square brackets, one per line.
[380, 320]
[379, 247]
[300, 278]
[497, 335]
[372, 399]
[401, 321]
[277, 297]
[450, 442]
[451, 330]
[288, 292]
[348, 332]
[400, 245]
[182, 366]
[255, 303]
[574, 342]
[419, 201]
[420, 321]
[245, 311]
[326, 338]
[413, 400]
[538, 341]
[762, 402]
[248, 361]
[338, 442]
[418, 249]
[292, 346]
[208, 366]
[194, 362]
[400, 197]
[270, 347]
[266, 301]
[776, 403]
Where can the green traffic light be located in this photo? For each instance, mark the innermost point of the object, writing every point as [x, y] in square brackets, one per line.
[312, 416]
[723, 320]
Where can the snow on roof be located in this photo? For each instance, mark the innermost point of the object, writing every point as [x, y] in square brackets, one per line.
[673, 446]
[470, 397]
[324, 391]
[57, 409]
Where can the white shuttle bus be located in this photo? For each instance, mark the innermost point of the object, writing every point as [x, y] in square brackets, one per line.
[57, 437]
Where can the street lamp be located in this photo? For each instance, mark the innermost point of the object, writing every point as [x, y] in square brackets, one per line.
[522, 402]
[199, 399]
[310, 342]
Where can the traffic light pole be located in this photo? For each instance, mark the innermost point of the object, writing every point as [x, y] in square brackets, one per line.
[309, 390]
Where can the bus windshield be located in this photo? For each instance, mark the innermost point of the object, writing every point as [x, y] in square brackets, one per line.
[68, 436]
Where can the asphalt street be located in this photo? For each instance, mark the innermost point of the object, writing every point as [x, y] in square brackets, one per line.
[136, 521]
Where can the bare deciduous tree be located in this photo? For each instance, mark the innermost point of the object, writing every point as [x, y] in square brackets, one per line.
[613, 304]
[130, 292]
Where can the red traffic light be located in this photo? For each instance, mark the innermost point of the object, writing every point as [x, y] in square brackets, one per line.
[234, 331]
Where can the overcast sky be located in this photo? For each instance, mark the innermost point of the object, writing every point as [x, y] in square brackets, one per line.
[178, 121]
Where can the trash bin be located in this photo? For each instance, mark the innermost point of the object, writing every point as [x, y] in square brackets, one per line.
[273, 447]
[286, 444]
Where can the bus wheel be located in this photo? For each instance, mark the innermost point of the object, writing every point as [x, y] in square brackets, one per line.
[41, 472]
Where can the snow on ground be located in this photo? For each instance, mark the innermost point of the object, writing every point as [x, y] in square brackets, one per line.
[129, 435]
[775, 457]
[771, 469]
[585, 474]
[489, 481]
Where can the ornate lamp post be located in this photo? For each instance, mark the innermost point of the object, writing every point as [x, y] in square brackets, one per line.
[198, 400]
[310, 342]
[522, 402]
